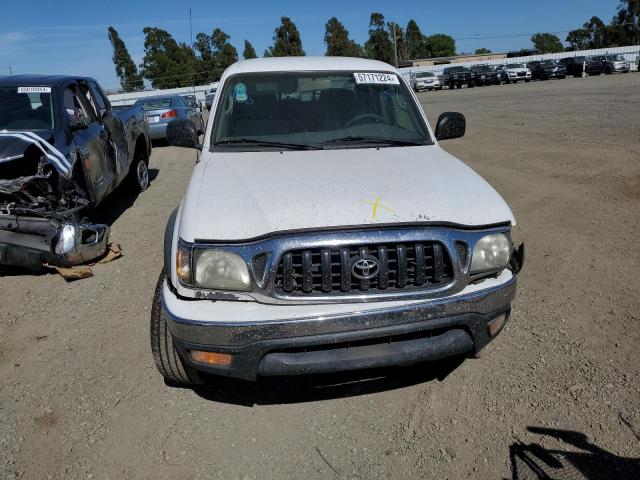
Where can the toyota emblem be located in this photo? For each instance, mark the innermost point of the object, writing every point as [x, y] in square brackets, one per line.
[365, 268]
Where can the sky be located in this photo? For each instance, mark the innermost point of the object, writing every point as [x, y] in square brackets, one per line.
[63, 37]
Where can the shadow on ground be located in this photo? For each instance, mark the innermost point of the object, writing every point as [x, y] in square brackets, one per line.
[313, 388]
[582, 460]
[119, 202]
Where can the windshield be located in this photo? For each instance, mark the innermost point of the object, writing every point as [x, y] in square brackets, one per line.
[549, 63]
[315, 110]
[154, 103]
[26, 108]
[515, 65]
[484, 68]
[424, 74]
[616, 58]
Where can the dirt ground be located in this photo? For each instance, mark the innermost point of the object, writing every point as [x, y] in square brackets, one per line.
[557, 392]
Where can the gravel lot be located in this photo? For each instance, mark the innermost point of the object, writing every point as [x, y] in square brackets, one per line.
[560, 388]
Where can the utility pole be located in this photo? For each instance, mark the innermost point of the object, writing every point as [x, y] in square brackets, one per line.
[395, 44]
[10, 71]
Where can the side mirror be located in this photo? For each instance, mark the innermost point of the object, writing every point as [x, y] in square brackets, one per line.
[450, 125]
[182, 133]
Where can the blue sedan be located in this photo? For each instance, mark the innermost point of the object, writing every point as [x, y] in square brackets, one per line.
[162, 110]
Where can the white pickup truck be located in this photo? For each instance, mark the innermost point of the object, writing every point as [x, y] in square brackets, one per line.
[324, 229]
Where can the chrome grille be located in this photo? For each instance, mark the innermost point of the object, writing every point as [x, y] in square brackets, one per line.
[331, 270]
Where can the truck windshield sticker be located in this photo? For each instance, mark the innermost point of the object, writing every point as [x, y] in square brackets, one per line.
[376, 78]
[240, 93]
[34, 89]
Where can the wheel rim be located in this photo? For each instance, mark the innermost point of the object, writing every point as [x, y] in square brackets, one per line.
[143, 175]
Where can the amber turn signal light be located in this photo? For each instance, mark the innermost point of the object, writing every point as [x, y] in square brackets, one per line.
[211, 358]
[496, 324]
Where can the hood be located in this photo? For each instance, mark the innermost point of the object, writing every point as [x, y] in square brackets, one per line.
[236, 196]
[14, 144]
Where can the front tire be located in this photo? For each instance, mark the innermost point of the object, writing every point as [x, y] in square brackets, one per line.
[165, 355]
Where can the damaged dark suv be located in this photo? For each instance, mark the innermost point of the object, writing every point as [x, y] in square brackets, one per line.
[63, 150]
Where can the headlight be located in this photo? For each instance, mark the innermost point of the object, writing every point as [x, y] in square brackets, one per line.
[215, 269]
[220, 270]
[491, 252]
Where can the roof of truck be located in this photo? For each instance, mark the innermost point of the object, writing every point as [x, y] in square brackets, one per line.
[37, 80]
[297, 64]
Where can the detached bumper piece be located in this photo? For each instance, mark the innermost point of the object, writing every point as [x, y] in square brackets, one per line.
[30, 242]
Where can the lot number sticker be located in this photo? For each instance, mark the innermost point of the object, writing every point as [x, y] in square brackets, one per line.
[376, 78]
[34, 89]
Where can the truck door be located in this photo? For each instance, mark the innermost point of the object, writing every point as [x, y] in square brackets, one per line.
[116, 131]
[91, 140]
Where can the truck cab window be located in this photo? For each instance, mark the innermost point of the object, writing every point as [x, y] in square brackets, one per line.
[100, 102]
[75, 110]
[89, 101]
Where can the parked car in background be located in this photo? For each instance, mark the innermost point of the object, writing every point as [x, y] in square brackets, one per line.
[63, 151]
[517, 72]
[614, 64]
[259, 286]
[425, 81]
[546, 69]
[456, 77]
[485, 75]
[163, 109]
[192, 101]
[209, 96]
[501, 70]
[575, 65]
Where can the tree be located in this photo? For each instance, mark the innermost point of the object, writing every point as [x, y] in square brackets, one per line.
[286, 41]
[400, 41]
[482, 51]
[414, 41]
[379, 45]
[593, 34]
[625, 26]
[547, 43]
[336, 37]
[578, 39]
[205, 61]
[224, 53]
[249, 51]
[440, 45]
[130, 79]
[167, 64]
[215, 54]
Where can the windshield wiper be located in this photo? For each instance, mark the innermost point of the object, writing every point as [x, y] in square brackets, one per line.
[265, 143]
[374, 140]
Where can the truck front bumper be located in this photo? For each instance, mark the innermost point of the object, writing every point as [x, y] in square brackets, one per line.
[305, 339]
[30, 242]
